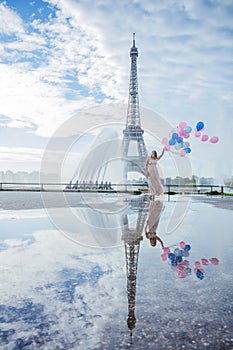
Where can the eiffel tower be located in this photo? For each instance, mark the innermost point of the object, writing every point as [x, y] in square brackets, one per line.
[133, 131]
[132, 237]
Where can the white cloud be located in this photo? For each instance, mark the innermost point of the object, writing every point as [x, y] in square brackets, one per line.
[10, 22]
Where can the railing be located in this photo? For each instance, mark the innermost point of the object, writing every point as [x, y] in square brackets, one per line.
[120, 187]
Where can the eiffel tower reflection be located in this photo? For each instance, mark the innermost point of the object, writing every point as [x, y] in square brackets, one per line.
[132, 235]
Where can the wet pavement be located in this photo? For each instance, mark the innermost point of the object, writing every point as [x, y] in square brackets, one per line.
[103, 285]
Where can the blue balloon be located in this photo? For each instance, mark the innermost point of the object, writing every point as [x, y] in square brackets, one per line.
[200, 274]
[179, 139]
[181, 252]
[199, 126]
[171, 256]
[187, 150]
[187, 129]
[172, 142]
[176, 251]
[174, 136]
[187, 247]
[174, 263]
[179, 259]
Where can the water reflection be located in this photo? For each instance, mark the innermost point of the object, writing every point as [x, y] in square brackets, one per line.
[53, 291]
[152, 223]
[132, 237]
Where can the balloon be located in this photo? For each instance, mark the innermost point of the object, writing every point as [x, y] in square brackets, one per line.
[176, 251]
[179, 139]
[214, 261]
[186, 144]
[181, 274]
[165, 141]
[187, 129]
[171, 256]
[182, 244]
[204, 262]
[166, 250]
[185, 253]
[164, 256]
[166, 147]
[199, 274]
[197, 133]
[186, 136]
[197, 264]
[200, 126]
[204, 138]
[178, 259]
[187, 270]
[185, 262]
[182, 153]
[214, 139]
[173, 263]
[177, 146]
[182, 125]
[174, 136]
[187, 247]
[187, 150]
[172, 142]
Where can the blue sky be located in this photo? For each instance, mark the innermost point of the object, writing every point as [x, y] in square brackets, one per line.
[59, 57]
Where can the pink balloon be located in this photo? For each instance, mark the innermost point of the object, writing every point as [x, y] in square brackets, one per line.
[214, 139]
[182, 153]
[166, 147]
[181, 274]
[185, 262]
[197, 134]
[166, 250]
[204, 138]
[165, 141]
[164, 256]
[204, 262]
[186, 136]
[214, 261]
[197, 264]
[182, 244]
[182, 125]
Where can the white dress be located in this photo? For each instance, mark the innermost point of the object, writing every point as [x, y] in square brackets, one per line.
[155, 186]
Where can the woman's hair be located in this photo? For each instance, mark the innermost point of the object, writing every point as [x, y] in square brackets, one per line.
[153, 241]
[155, 153]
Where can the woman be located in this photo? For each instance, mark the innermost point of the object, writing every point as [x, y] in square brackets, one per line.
[155, 210]
[155, 186]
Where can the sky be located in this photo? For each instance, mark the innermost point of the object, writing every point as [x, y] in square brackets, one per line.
[60, 57]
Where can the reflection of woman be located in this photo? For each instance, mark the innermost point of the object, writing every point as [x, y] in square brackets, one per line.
[155, 186]
[155, 210]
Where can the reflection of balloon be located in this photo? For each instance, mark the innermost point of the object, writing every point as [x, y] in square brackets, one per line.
[214, 139]
[187, 247]
[214, 261]
[177, 251]
[181, 274]
[187, 150]
[182, 153]
[185, 253]
[186, 144]
[197, 264]
[187, 270]
[204, 138]
[182, 244]
[197, 133]
[204, 262]
[187, 129]
[164, 256]
[199, 126]
[171, 256]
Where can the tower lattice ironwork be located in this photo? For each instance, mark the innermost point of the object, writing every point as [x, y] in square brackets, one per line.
[132, 237]
[133, 131]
